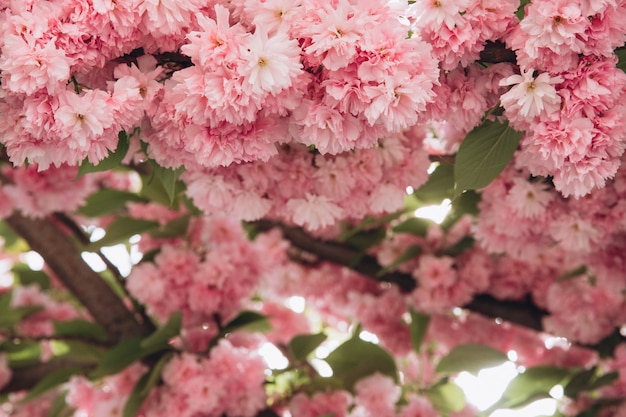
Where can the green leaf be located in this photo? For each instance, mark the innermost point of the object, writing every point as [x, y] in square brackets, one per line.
[113, 160]
[60, 407]
[10, 316]
[12, 241]
[107, 201]
[161, 337]
[143, 386]
[248, 320]
[603, 380]
[581, 270]
[461, 246]
[446, 397]
[118, 358]
[76, 350]
[121, 229]
[483, 154]
[471, 358]
[175, 228]
[80, 328]
[520, 11]
[27, 276]
[621, 56]
[356, 359]
[440, 185]
[418, 329]
[302, 345]
[465, 203]
[414, 225]
[50, 381]
[365, 239]
[534, 383]
[162, 185]
[410, 253]
[579, 382]
[21, 354]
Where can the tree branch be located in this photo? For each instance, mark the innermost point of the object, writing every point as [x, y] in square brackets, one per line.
[26, 377]
[523, 313]
[62, 256]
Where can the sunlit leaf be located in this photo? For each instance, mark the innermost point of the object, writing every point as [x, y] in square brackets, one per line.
[414, 225]
[471, 358]
[440, 185]
[447, 397]
[248, 320]
[356, 359]
[302, 345]
[534, 383]
[76, 350]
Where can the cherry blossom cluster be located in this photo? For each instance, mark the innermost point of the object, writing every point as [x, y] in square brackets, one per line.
[228, 381]
[459, 29]
[313, 190]
[38, 193]
[42, 322]
[463, 97]
[574, 123]
[375, 395]
[554, 34]
[549, 231]
[337, 76]
[215, 273]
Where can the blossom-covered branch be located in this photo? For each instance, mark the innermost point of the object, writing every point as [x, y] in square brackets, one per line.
[522, 313]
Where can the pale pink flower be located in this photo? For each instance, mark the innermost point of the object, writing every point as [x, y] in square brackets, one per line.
[530, 96]
[575, 233]
[528, 199]
[435, 271]
[418, 406]
[28, 66]
[375, 396]
[335, 33]
[314, 212]
[554, 24]
[84, 117]
[435, 13]
[270, 62]
[582, 312]
[273, 15]
[320, 403]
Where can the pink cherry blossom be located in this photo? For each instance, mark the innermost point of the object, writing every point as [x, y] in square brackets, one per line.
[531, 96]
[29, 65]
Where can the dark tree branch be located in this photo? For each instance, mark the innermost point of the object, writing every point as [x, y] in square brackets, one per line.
[27, 377]
[62, 256]
[339, 253]
[495, 52]
[523, 313]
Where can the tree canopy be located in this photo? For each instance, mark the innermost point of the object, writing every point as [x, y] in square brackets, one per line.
[261, 168]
